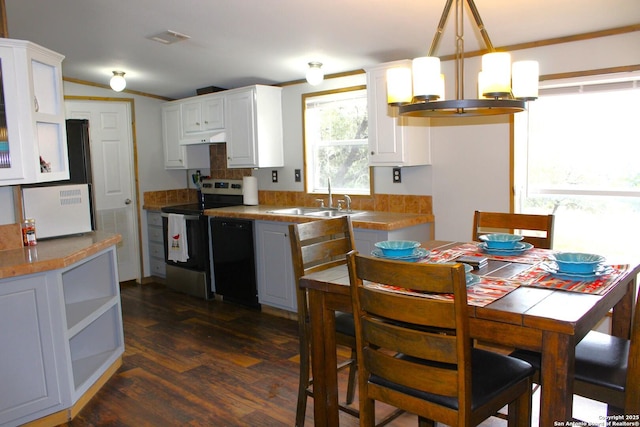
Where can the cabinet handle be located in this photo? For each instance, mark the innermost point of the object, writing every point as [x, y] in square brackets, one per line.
[206, 122]
[373, 153]
[35, 103]
[197, 123]
[228, 158]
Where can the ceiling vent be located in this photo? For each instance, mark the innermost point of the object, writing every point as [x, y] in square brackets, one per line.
[169, 37]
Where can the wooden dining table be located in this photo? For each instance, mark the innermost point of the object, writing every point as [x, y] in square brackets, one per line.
[547, 320]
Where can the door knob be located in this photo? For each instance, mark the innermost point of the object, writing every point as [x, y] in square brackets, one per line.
[127, 201]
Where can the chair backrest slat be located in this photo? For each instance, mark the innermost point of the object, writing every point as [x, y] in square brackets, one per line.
[536, 229]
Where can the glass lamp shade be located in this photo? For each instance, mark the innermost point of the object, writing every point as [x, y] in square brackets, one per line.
[117, 82]
[496, 74]
[426, 77]
[315, 75]
[524, 79]
[399, 86]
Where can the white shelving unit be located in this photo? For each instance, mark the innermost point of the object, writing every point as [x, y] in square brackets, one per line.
[63, 330]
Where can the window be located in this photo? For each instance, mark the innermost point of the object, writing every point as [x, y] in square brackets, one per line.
[335, 141]
[576, 156]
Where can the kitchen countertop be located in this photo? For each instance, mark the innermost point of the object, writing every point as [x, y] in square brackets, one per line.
[53, 254]
[373, 220]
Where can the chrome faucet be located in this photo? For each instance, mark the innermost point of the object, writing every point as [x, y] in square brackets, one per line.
[348, 200]
[330, 196]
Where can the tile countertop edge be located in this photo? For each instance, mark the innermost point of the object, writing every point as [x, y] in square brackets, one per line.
[53, 254]
[373, 220]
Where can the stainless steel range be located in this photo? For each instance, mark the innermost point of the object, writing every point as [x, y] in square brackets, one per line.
[194, 276]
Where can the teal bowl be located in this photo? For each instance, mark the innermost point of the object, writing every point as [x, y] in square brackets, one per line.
[577, 262]
[397, 248]
[501, 240]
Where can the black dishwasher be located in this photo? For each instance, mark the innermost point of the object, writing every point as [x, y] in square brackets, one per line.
[234, 268]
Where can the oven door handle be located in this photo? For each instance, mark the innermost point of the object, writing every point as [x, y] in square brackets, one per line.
[186, 217]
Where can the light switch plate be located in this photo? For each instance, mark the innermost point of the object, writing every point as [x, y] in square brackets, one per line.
[297, 176]
[274, 176]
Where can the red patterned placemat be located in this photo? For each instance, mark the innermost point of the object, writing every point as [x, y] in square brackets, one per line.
[538, 277]
[484, 292]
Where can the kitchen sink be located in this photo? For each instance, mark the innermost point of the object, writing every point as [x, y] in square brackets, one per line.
[316, 212]
[294, 211]
[332, 213]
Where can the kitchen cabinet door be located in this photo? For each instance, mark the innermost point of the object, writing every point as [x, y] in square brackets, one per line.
[202, 115]
[254, 127]
[276, 285]
[33, 141]
[394, 140]
[178, 156]
[32, 372]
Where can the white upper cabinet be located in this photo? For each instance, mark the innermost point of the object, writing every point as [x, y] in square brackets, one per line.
[254, 127]
[178, 156]
[202, 114]
[393, 140]
[33, 137]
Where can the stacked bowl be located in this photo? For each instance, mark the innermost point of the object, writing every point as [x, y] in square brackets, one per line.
[402, 250]
[577, 266]
[503, 244]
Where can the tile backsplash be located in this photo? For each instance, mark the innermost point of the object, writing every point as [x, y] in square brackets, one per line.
[218, 157]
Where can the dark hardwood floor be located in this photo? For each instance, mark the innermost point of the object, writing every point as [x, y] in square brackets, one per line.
[190, 362]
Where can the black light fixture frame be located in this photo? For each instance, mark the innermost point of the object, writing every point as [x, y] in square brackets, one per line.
[499, 104]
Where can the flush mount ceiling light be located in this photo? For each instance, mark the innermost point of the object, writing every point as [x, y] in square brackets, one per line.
[502, 89]
[117, 82]
[315, 75]
[169, 37]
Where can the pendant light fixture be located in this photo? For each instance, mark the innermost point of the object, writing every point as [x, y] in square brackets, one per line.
[502, 89]
[117, 82]
[315, 75]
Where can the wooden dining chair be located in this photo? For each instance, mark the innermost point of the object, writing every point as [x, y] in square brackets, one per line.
[435, 373]
[316, 246]
[607, 368]
[536, 229]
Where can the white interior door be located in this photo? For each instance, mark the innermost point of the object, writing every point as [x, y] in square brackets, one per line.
[111, 142]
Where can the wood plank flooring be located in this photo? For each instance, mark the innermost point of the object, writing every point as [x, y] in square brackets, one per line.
[190, 362]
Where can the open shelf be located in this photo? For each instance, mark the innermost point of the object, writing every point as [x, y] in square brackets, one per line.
[95, 345]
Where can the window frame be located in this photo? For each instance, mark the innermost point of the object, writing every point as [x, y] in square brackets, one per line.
[305, 96]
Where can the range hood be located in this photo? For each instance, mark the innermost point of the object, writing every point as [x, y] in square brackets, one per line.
[208, 138]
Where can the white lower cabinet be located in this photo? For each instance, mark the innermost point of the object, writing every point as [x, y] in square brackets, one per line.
[60, 332]
[276, 284]
[156, 244]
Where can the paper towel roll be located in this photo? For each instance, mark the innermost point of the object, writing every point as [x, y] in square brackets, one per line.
[250, 190]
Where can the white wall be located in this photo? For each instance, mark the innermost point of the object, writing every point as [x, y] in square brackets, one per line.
[471, 156]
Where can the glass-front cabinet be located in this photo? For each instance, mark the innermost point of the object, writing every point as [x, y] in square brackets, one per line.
[33, 146]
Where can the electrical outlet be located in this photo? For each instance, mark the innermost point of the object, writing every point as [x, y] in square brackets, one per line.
[397, 175]
[296, 175]
[274, 176]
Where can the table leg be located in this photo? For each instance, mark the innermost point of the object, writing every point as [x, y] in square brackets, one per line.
[622, 312]
[557, 370]
[323, 361]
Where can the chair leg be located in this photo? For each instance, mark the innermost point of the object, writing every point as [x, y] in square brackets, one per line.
[367, 412]
[351, 386]
[303, 383]
[302, 398]
[520, 410]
